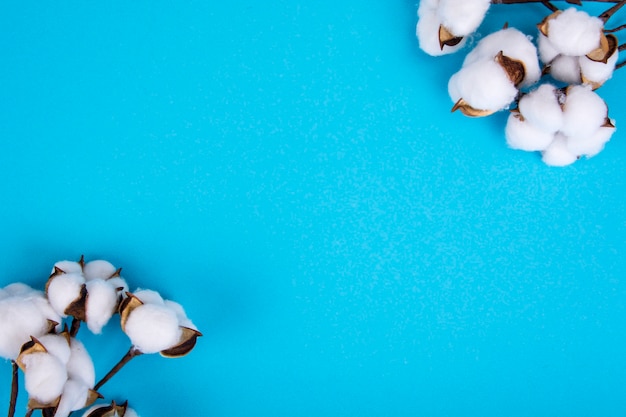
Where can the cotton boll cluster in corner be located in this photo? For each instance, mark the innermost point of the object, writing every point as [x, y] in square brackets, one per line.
[90, 291]
[443, 25]
[493, 72]
[563, 124]
[157, 325]
[575, 49]
[58, 373]
[24, 312]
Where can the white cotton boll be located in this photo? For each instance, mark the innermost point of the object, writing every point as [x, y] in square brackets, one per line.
[98, 269]
[63, 290]
[183, 320]
[57, 346]
[427, 32]
[153, 328]
[547, 51]
[590, 145]
[149, 296]
[74, 397]
[523, 135]
[597, 72]
[462, 17]
[80, 366]
[100, 305]
[513, 44]
[44, 376]
[557, 153]
[69, 267]
[19, 320]
[566, 68]
[574, 32]
[484, 85]
[583, 111]
[541, 108]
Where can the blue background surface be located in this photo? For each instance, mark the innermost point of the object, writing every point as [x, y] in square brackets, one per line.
[290, 172]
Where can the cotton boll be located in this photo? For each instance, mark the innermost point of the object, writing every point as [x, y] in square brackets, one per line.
[541, 108]
[63, 290]
[513, 44]
[18, 289]
[69, 267]
[101, 304]
[74, 397]
[99, 269]
[483, 85]
[462, 17]
[153, 328]
[557, 154]
[80, 366]
[427, 32]
[590, 145]
[547, 51]
[57, 346]
[19, 320]
[597, 72]
[44, 376]
[566, 68]
[574, 32]
[583, 111]
[523, 135]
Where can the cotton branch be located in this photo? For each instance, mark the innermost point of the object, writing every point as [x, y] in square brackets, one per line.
[610, 12]
[132, 352]
[14, 388]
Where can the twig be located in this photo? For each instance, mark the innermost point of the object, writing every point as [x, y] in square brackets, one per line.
[132, 352]
[617, 29]
[29, 412]
[607, 14]
[541, 1]
[14, 388]
[549, 5]
[75, 326]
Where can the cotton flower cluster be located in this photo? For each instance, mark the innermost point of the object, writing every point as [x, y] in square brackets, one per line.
[492, 73]
[563, 124]
[59, 373]
[575, 49]
[91, 291]
[443, 25]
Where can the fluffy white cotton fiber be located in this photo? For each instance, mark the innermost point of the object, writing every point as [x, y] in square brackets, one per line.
[574, 32]
[597, 72]
[74, 397]
[153, 328]
[24, 312]
[541, 108]
[100, 305]
[98, 269]
[63, 290]
[583, 111]
[44, 376]
[591, 145]
[80, 366]
[483, 85]
[427, 32]
[557, 153]
[462, 17]
[523, 135]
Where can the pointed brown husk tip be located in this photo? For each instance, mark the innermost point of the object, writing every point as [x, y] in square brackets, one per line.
[185, 344]
[446, 38]
[470, 111]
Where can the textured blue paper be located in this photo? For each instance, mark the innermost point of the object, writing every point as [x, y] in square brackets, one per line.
[290, 172]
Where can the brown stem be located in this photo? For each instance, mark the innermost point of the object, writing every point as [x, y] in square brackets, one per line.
[75, 326]
[132, 352]
[550, 6]
[29, 412]
[610, 12]
[14, 388]
[617, 29]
